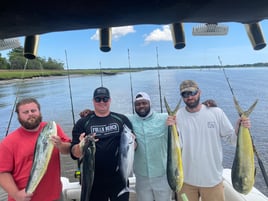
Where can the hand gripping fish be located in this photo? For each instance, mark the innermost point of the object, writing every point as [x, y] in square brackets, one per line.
[174, 159]
[88, 148]
[42, 154]
[243, 168]
[126, 152]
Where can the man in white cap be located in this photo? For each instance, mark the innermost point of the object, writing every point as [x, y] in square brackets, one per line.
[201, 129]
[151, 153]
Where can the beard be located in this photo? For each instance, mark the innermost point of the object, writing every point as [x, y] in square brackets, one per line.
[143, 112]
[31, 123]
[194, 104]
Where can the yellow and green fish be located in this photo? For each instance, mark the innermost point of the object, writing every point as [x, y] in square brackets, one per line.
[174, 158]
[42, 155]
[243, 168]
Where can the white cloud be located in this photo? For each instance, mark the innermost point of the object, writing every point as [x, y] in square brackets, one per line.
[117, 32]
[163, 34]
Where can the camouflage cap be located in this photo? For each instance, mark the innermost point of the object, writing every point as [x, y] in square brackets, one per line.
[188, 85]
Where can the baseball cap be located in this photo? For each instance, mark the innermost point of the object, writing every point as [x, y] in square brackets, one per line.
[101, 92]
[142, 96]
[188, 85]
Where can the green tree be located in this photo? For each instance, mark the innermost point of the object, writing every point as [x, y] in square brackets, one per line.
[16, 58]
[52, 64]
[17, 61]
[4, 63]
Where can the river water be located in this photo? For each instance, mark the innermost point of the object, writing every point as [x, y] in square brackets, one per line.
[62, 99]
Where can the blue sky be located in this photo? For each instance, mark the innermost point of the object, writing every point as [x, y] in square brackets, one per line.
[83, 51]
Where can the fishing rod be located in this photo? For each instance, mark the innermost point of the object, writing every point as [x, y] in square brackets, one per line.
[254, 147]
[15, 102]
[77, 173]
[130, 78]
[101, 74]
[70, 90]
[159, 83]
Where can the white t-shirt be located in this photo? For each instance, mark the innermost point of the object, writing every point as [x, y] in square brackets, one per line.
[200, 135]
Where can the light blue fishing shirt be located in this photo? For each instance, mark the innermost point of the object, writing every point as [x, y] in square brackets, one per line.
[150, 158]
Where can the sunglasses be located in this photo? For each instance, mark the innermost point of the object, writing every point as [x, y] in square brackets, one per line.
[187, 94]
[99, 99]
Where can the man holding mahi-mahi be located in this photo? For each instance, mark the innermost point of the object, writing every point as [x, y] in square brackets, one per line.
[17, 154]
[201, 129]
[106, 127]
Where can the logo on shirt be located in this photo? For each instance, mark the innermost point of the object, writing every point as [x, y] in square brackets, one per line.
[102, 130]
[211, 124]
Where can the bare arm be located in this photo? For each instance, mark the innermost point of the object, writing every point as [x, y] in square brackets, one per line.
[8, 184]
[244, 121]
[64, 147]
[76, 151]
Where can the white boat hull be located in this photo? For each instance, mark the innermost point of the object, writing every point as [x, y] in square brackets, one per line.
[71, 190]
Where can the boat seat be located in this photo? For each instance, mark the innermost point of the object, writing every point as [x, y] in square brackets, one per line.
[71, 190]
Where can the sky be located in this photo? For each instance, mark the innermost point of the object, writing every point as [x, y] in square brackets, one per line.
[139, 45]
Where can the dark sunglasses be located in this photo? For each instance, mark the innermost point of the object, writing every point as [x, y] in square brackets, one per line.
[187, 94]
[99, 99]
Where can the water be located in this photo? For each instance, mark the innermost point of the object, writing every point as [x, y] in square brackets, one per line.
[248, 85]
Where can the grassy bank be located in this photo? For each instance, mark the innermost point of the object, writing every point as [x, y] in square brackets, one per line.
[19, 74]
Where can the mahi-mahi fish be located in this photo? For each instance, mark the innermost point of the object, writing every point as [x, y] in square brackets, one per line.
[174, 158]
[88, 148]
[243, 168]
[126, 157]
[42, 155]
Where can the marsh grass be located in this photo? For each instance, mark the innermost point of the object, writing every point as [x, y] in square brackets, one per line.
[20, 74]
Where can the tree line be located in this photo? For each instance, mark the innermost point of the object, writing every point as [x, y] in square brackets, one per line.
[16, 61]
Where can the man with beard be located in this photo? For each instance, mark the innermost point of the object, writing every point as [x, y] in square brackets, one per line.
[150, 158]
[201, 129]
[17, 153]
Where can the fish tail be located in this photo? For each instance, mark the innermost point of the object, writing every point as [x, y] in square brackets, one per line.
[240, 110]
[169, 111]
[125, 190]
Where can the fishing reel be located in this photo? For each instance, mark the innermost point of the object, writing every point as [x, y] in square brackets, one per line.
[77, 174]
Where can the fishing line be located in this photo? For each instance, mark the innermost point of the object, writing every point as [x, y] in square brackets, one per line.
[16, 98]
[254, 147]
[77, 173]
[159, 83]
[130, 79]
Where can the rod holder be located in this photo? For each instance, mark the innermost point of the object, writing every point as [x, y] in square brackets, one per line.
[178, 36]
[105, 35]
[31, 46]
[255, 35]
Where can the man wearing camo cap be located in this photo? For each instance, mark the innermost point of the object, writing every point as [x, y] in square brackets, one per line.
[201, 129]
